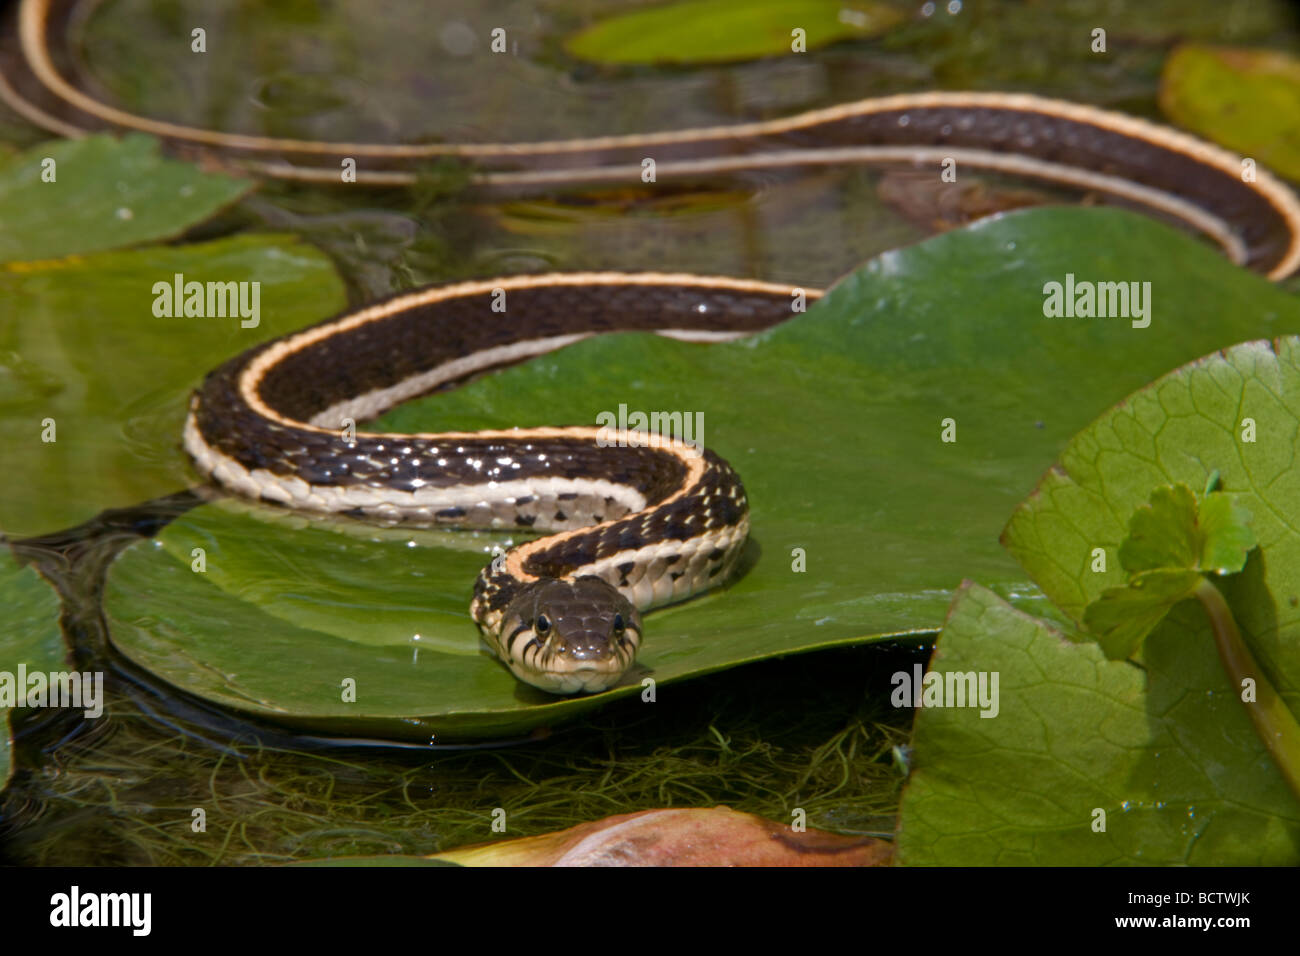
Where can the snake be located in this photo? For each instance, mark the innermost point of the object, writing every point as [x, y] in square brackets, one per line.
[633, 521]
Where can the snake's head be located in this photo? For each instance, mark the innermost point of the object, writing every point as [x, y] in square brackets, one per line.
[570, 636]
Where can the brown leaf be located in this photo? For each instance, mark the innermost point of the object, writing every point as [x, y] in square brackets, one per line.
[717, 837]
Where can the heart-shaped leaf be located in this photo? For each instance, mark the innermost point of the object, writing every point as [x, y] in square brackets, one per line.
[1235, 412]
[1171, 541]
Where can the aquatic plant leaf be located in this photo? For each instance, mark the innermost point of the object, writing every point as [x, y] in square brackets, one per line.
[106, 193]
[84, 361]
[719, 31]
[1228, 537]
[1163, 533]
[1171, 541]
[1236, 412]
[1122, 617]
[1168, 743]
[1164, 758]
[835, 422]
[1246, 99]
[30, 636]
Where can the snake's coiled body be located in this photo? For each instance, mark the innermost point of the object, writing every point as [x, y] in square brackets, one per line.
[655, 523]
[634, 526]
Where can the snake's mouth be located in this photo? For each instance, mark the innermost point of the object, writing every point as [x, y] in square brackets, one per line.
[583, 678]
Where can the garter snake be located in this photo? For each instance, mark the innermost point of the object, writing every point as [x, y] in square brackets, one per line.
[634, 525]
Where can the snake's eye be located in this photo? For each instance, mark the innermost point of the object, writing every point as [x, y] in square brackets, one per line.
[543, 624]
[619, 625]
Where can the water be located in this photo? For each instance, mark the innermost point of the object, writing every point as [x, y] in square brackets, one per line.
[124, 789]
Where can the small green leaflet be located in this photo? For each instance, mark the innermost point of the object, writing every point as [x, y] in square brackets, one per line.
[1172, 542]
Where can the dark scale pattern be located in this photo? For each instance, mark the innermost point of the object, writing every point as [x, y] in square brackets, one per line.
[727, 505]
[1071, 143]
[389, 350]
[384, 352]
[669, 523]
[1042, 135]
[1036, 131]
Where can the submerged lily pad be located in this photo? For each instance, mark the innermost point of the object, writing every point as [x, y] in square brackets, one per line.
[1248, 100]
[93, 384]
[105, 193]
[864, 518]
[89, 365]
[30, 636]
[720, 31]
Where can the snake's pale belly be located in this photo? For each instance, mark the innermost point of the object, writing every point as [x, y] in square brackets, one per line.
[633, 527]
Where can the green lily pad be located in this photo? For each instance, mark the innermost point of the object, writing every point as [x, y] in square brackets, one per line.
[93, 384]
[81, 347]
[30, 637]
[835, 421]
[1165, 759]
[106, 194]
[720, 31]
[1248, 100]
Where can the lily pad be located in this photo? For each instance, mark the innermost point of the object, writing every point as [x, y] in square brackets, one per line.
[1246, 99]
[105, 194]
[720, 31]
[1088, 761]
[30, 637]
[82, 352]
[93, 384]
[834, 419]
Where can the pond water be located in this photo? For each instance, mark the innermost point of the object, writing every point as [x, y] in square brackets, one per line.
[810, 731]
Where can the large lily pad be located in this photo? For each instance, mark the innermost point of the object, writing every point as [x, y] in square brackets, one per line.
[835, 421]
[719, 31]
[1088, 761]
[30, 636]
